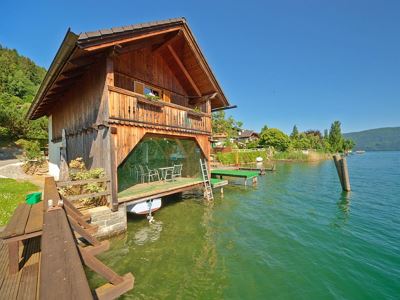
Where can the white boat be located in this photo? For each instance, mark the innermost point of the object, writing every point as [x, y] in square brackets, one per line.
[143, 208]
[360, 152]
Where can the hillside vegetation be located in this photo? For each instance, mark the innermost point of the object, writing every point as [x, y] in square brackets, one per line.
[20, 78]
[380, 139]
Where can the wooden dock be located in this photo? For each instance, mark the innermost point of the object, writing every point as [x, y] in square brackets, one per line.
[23, 284]
[235, 173]
[50, 265]
[145, 191]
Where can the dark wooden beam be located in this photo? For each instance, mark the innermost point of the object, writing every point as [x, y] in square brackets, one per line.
[85, 60]
[168, 41]
[183, 69]
[203, 99]
[119, 40]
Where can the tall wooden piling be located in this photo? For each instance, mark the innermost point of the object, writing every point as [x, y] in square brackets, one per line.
[342, 170]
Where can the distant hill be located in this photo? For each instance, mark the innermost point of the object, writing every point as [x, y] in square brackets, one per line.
[383, 139]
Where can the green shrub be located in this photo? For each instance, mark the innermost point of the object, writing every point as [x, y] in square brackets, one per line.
[31, 149]
[78, 171]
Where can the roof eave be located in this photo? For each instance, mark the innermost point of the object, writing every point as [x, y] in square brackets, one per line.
[67, 47]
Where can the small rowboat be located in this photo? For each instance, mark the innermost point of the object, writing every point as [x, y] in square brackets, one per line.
[143, 208]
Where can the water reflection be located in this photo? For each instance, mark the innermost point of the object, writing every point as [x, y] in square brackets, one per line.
[149, 233]
[343, 213]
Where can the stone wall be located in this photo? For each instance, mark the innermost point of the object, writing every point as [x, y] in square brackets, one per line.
[110, 223]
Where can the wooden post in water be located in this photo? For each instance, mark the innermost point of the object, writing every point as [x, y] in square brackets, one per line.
[343, 173]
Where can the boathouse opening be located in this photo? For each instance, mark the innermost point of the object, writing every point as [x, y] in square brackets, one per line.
[154, 158]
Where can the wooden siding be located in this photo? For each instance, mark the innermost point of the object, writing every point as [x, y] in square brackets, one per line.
[126, 106]
[81, 105]
[150, 68]
[128, 136]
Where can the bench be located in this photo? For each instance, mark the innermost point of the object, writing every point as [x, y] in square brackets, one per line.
[25, 223]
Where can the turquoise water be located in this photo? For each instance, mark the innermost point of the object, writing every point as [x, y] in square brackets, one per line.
[294, 236]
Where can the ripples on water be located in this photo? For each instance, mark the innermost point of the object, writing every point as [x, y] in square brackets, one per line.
[294, 236]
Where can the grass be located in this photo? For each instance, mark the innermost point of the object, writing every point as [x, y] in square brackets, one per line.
[300, 156]
[12, 192]
[230, 158]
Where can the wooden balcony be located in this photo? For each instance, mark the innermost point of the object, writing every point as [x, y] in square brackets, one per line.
[128, 107]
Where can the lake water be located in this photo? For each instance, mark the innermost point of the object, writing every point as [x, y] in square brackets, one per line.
[293, 236]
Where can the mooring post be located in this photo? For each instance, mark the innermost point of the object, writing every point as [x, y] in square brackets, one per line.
[343, 173]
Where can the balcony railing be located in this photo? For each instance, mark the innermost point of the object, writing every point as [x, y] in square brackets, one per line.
[127, 106]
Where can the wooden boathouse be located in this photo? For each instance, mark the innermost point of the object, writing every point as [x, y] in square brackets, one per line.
[134, 100]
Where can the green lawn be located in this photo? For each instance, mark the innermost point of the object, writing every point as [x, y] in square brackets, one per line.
[12, 192]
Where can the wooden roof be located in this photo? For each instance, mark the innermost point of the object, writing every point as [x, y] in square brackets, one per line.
[172, 39]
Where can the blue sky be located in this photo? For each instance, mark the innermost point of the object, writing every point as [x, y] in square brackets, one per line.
[282, 62]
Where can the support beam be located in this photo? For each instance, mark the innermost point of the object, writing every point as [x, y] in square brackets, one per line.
[183, 69]
[168, 41]
[118, 41]
[203, 99]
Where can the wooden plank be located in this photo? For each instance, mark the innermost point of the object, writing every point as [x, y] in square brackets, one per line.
[83, 233]
[35, 220]
[62, 275]
[131, 39]
[17, 224]
[110, 291]
[183, 69]
[96, 265]
[29, 279]
[80, 182]
[50, 192]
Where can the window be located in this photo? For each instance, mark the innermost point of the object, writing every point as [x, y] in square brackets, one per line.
[152, 92]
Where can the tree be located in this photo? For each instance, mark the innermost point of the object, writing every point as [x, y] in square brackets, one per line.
[335, 137]
[295, 133]
[348, 144]
[265, 127]
[326, 135]
[275, 138]
[19, 81]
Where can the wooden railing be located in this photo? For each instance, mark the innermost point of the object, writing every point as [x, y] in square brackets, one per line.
[127, 106]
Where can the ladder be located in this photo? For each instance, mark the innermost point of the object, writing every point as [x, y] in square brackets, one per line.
[208, 193]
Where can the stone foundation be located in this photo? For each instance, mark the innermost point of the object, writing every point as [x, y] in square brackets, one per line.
[110, 223]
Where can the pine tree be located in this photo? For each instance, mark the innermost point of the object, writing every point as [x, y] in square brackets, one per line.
[335, 137]
[295, 133]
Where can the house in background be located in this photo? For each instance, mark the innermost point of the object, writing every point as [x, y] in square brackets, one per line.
[218, 140]
[246, 136]
[130, 98]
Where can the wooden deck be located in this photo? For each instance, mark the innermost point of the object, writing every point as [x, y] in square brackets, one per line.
[146, 191]
[23, 284]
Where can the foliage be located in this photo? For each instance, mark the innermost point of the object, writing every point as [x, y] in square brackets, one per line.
[275, 138]
[348, 144]
[335, 137]
[197, 109]
[383, 139]
[231, 158]
[152, 97]
[265, 127]
[12, 193]
[290, 155]
[19, 81]
[221, 124]
[31, 149]
[295, 133]
[78, 171]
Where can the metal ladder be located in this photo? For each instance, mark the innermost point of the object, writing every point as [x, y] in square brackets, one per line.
[206, 180]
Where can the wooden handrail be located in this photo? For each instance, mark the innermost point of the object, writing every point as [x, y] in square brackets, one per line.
[140, 96]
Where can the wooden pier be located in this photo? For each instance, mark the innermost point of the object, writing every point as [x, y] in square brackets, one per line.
[56, 252]
[246, 175]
